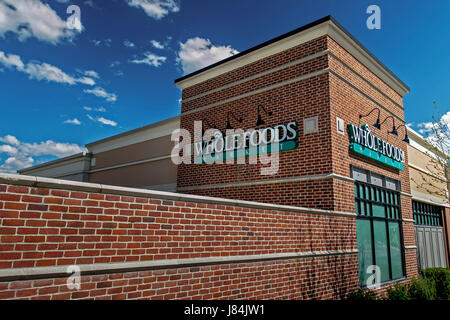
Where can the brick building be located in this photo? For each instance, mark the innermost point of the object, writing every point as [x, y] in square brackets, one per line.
[339, 202]
[321, 77]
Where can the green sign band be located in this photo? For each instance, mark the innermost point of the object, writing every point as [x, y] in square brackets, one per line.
[368, 153]
[241, 153]
[363, 142]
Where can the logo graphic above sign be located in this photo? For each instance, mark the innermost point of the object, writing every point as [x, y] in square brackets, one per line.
[252, 142]
[364, 143]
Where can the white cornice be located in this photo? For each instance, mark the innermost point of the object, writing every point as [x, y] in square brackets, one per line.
[153, 131]
[363, 56]
[325, 28]
[428, 198]
[264, 52]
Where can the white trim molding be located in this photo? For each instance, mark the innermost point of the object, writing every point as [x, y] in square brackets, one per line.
[127, 164]
[268, 181]
[251, 93]
[427, 198]
[328, 28]
[31, 181]
[99, 268]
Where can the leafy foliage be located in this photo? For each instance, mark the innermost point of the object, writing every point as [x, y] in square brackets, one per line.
[441, 279]
[362, 295]
[399, 291]
[422, 289]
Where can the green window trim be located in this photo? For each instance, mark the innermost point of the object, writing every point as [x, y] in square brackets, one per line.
[379, 219]
[427, 214]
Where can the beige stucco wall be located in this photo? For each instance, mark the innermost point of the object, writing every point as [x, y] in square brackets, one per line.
[145, 164]
[156, 173]
[426, 175]
[145, 150]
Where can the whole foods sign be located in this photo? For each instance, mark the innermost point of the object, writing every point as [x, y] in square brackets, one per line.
[364, 143]
[241, 143]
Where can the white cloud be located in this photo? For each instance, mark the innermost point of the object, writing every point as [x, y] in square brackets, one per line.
[157, 45]
[437, 133]
[100, 109]
[96, 42]
[41, 71]
[114, 64]
[50, 147]
[150, 59]
[107, 122]
[91, 73]
[156, 9]
[8, 149]
[102, 120]
[197, 53]
[33, 18]
[48, 72]
[11, 60]
[128, 44]
[100, 92]
[9, 139]
[86, 81]
[105, 42]
[21, 153]
[74, 121]
[12, 164]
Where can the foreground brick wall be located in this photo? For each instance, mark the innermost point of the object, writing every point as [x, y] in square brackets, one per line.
[167, 246]
[280, 279]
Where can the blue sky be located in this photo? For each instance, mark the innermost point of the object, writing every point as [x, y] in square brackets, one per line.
[61, 88]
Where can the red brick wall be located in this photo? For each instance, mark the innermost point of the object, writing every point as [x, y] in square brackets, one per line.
[47, 227]
[257, 67]
[311, 194]
[359, 94]
[291, 102]
[308, 278]
[346, 90]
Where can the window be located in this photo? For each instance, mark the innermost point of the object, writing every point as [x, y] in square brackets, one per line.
[427, 214]
[378, 226]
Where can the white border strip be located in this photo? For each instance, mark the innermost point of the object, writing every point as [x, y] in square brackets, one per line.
[130, 164]
[326, 28]
[31, 181]
[256, 55]
[261, 74]
[20, 273]
[420, 197]
[251, 93]
[268, 181]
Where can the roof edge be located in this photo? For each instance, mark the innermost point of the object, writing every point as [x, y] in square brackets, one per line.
[56, 161]
[126, 133]
[259, 46]
[361, 48]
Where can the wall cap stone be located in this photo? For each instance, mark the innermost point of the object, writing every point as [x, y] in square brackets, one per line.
[40, 182]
